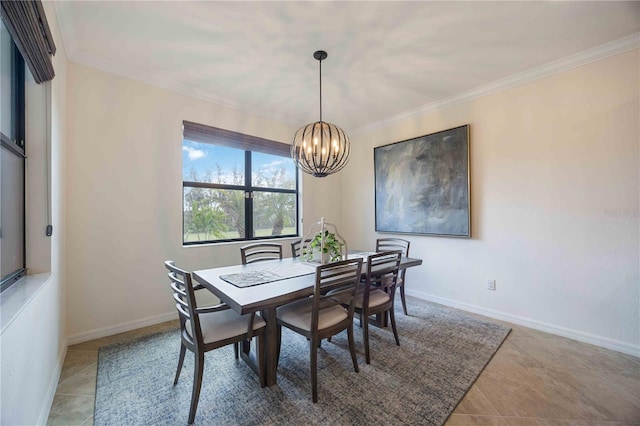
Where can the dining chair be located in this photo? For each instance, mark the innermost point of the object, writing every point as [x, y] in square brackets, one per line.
[322, 316]
[205, 329]
[296, 247]
[387, 244]
[375, 295]
[260, 251]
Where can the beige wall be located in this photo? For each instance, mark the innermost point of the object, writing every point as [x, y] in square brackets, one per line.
[555, 190]
[124, 204]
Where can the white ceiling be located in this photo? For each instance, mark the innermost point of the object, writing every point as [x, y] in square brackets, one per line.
[385, 60]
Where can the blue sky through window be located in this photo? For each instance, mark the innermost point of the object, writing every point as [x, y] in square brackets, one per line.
[203, 162]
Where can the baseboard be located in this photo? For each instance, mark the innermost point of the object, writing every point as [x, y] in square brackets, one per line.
[120, 328]
[51, 389]
[580, 336]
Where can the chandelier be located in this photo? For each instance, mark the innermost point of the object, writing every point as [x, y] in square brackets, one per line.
[320, 148]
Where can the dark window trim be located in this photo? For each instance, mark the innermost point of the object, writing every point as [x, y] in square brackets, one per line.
[17, 148]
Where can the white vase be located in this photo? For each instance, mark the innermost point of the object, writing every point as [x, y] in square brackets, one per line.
[324, 259]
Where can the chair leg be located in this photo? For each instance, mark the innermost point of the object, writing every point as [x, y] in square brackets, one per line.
[404, 300]
[197, 383]
[393, 325]
[313, 348]
[236, 350]
[183, 349]
[365, 334]
[352, 347]
[278, 343]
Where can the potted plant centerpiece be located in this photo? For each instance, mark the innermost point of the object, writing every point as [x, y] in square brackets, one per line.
[331, 250]
[323, 244]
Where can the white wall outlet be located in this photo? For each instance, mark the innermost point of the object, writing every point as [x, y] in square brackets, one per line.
[491, 285]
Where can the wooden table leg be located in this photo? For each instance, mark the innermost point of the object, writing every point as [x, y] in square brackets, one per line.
[271, 349]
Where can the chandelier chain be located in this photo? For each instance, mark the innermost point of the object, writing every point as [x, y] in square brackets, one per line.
[320, 61]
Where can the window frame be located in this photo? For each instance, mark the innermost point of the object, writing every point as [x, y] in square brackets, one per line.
[16, 146]
[244, 143]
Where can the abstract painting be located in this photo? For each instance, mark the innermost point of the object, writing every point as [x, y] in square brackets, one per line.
[422, 185]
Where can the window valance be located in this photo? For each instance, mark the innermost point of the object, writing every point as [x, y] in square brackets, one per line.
[27, 24]
[207, 134]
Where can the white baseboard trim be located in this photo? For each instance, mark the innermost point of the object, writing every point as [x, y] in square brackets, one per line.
[580, 336]
[120, 328]
[51, 389]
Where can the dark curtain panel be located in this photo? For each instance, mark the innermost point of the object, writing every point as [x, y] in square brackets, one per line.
[27, 24]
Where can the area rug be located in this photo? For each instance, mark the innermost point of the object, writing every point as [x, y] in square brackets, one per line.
[442, 353]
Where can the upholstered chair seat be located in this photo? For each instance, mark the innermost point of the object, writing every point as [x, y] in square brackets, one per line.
[377, 297]
[223, 325]
[298, 314]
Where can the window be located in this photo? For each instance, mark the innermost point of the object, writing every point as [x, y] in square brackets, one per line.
[12, 162]
[236, 187]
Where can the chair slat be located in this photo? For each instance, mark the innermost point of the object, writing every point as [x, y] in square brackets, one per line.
[260, 251]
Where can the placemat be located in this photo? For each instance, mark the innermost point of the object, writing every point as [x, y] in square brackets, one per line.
[268, 274]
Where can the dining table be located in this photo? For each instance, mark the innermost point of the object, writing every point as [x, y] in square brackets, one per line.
[262, 287]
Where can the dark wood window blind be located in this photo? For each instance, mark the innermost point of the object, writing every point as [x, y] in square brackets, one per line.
[26, 22]
[207, 134]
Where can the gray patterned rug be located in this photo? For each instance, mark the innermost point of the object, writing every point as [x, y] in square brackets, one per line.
[442, 353]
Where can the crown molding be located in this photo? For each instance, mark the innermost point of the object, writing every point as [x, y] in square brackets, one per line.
[69, 43]
[598, 53]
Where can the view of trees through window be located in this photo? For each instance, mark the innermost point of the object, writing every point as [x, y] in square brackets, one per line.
[232, 194]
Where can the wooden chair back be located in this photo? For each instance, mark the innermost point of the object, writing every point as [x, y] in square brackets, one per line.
[389, 244]
[260, 251]
[336, 283]
[386, 244]
[382, 273]
[184, 296]
[296, 247]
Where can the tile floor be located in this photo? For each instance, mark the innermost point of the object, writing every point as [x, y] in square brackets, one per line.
[535, 379]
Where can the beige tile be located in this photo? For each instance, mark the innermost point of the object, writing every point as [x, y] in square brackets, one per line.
[559, 352]
[81, 384]
[529, 392]
[474, 420]
[77, 361]
[508, 354]
[522, 421]
[474, 402]
[615, 395]
[88, 422]
[68, 410]
[526, 332]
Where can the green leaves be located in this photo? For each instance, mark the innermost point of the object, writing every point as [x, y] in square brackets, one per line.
[332, 246]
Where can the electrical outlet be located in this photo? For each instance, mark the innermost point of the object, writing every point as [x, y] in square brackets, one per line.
[491, 285]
